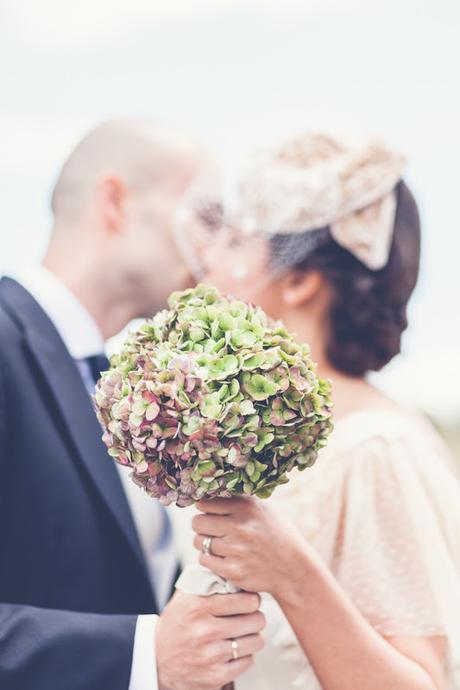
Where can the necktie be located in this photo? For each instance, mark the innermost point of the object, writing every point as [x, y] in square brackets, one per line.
[157, 544]
[97, 364]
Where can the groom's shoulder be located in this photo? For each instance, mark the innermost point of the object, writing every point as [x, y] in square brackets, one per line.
[11, 335]
[7, 341]
[9, 330]
[11, 351]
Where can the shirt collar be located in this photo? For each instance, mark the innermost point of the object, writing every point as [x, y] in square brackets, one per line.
[77, 328]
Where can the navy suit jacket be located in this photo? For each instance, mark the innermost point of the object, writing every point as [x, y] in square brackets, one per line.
[72, 575]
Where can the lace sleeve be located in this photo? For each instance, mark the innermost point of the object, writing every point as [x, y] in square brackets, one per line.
[397, 552]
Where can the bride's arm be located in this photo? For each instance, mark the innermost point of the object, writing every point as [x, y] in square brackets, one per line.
[257, 551]
[345, 651]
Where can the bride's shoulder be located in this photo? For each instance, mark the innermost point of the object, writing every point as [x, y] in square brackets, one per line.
[383, 429]
[375, 445]
[377, 461]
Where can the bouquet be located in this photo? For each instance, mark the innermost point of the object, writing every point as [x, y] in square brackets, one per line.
[211, 398]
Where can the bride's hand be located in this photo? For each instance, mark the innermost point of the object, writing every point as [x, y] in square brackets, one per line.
[251, 545]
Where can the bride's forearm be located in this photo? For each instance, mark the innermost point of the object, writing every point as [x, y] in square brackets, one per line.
[263, 552]
[344, 650]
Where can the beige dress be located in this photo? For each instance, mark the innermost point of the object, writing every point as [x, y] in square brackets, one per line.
[382, 508]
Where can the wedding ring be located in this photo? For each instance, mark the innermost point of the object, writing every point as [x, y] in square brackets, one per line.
[206, 546]
[235, 654]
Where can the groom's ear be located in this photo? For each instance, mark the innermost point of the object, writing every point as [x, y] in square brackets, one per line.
[111, 201]
[301, 288]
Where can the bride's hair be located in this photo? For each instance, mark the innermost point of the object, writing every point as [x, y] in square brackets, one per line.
[368, 309]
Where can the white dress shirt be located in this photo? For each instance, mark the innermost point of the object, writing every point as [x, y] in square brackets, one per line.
[82, 338]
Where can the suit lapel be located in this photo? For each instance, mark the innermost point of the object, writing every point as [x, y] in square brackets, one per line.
[73, 404]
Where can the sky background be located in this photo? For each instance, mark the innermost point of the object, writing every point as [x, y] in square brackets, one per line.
[240, 74]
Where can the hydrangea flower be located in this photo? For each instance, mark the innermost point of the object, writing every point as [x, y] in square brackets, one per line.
[212, 398]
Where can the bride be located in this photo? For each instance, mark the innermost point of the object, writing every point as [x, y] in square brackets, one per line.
[358, 557]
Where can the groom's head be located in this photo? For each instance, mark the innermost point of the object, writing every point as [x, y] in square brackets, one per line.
[114, 204]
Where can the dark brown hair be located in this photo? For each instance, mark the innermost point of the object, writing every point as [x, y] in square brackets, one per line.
[368, 310]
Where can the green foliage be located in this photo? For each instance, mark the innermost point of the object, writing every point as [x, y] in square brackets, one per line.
[212, 398]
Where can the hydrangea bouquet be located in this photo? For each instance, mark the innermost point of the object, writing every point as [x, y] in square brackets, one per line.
[210, 399]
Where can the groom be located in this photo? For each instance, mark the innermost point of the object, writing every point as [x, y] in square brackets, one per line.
[86, 559]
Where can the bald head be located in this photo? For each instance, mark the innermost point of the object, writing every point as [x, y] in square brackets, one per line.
[115, 204]
[143, 153]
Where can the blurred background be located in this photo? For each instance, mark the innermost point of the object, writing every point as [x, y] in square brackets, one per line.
[239, 74]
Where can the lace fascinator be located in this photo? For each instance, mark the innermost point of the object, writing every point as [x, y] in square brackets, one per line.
[285, 201]
[315, 181]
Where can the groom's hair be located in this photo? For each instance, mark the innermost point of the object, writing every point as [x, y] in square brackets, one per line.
[141, 151]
